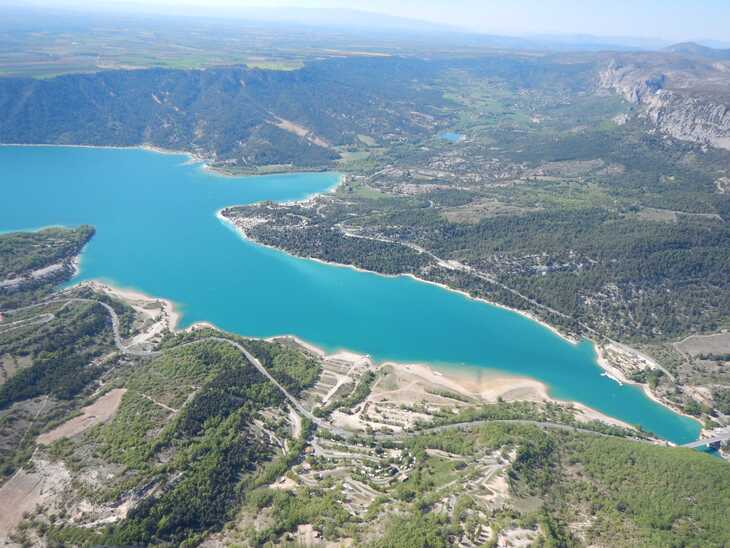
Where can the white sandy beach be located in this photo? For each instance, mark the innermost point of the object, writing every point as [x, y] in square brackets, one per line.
[488, 387]
[138, 300]
[527, 388]
[491, 387]
[601, 360]
[245, 235]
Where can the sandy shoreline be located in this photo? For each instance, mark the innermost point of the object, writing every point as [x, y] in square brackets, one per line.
[620, 376]
[173, 316]
[490, 387]
[134, 296]
[523, 313]
[601, 361]
[485, 386]
[481, 386]
[192, 158]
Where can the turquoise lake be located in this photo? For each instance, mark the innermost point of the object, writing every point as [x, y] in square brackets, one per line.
[157, 232]
[451, 136]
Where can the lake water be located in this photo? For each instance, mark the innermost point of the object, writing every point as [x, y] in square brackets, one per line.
[451, 136]
[157, 232]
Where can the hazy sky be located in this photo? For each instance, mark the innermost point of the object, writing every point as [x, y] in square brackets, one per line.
[666, 19]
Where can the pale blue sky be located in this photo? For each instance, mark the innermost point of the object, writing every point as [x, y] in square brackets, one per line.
[667, 19]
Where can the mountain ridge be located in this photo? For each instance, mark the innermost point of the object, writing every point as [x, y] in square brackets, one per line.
[695, 49]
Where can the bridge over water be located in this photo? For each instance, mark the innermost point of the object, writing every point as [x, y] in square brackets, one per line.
[718, 437]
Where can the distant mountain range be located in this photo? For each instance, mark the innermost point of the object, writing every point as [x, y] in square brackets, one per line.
[698, 50]
[356, 21]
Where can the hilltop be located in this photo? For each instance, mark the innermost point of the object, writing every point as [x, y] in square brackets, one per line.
[133, 433]
[692, 48]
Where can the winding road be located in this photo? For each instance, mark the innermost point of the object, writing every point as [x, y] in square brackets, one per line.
[461, 267]
[127, 350]
[719, 437]
[296, 404]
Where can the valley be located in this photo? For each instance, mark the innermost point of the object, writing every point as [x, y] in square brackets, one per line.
[273, 285]
[330, 446]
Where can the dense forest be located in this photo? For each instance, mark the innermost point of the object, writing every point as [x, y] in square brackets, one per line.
[24, 252]
[246, 118]
[604, 247]
[59, 352]
[557, 198]
[202, 441]
[33, 263]
[214, 454]
[211, 439]
[237, 116]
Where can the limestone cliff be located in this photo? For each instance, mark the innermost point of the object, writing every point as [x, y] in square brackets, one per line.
[675, 102]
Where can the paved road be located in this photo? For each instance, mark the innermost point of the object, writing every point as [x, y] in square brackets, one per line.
[68, 300]
[474, 424]
[458, 266]
[708, 441]
[150, 353]
[294, 401]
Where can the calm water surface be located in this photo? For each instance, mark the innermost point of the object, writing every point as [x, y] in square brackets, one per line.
[451, 136]
[157, 232]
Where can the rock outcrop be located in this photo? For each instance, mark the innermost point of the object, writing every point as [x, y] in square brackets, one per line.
[681, 113]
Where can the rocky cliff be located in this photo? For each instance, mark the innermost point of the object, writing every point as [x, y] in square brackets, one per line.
[674, 102]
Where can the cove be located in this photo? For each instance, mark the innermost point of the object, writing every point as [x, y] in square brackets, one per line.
[157, 232]
[451, 136]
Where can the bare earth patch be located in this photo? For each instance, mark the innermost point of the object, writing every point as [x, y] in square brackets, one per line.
[306, 535]
[705, 344]
[98, 412]
[301, 131]
[474, 212]
[484, 386]
[26, 490]
[517, 537]
[9, 365]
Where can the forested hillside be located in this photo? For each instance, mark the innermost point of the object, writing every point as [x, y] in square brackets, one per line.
[247, 118]
[35, 261]
[237, 116]
[117, 431]
[23, 252]
[551, 195]
[518, 178]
